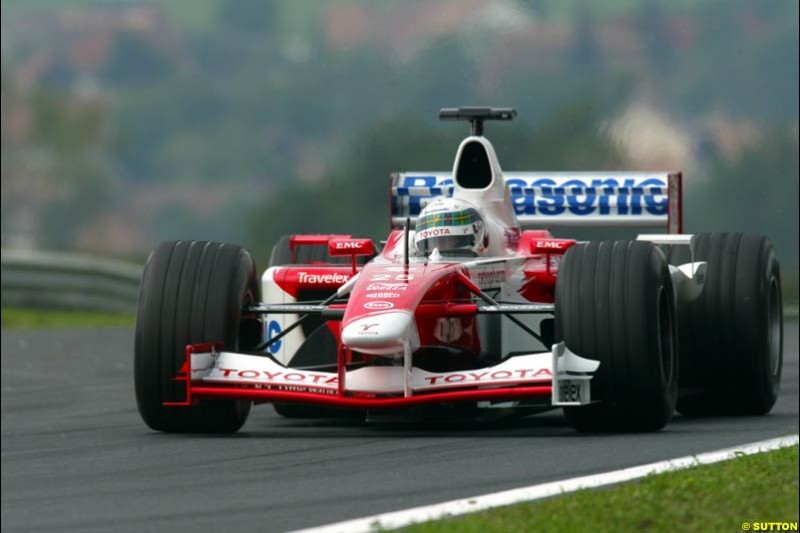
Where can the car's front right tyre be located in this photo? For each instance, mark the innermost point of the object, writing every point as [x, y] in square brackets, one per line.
[615, 304]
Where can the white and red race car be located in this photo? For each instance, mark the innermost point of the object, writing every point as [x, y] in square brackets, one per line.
[470, 303]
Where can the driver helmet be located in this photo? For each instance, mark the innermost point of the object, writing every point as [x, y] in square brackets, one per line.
[449, 225]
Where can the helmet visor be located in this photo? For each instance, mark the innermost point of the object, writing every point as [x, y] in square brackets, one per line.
[445, 242]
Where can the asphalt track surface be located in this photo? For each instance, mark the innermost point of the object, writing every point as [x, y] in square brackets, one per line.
[76, 457]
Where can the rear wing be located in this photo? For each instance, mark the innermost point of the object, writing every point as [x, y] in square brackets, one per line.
[553, 199]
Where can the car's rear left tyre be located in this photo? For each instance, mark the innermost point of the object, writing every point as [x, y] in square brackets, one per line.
[731, 336]
[192, 292]
[615, 304]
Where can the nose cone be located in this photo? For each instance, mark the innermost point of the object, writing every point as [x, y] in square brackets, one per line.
[382, 334]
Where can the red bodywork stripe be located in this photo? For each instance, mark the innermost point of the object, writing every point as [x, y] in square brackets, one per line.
[333, 400]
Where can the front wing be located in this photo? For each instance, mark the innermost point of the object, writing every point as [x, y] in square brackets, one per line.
[557, 378]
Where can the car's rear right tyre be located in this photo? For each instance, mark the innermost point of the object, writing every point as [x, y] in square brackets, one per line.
[731, 336]
[615, 304]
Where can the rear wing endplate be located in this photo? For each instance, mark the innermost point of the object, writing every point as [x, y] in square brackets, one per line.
[554, 199]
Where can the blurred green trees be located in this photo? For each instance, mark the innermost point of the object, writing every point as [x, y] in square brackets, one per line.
[132, 122]
[56, 166]
[756, 192]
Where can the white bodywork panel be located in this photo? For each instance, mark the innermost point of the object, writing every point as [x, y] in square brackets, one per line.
[493, 202]
[688, 279]
[667, 238]
[382, 334]
[572, 379]
[272, 292]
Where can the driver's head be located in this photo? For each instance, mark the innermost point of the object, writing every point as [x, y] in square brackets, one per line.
[449, 225]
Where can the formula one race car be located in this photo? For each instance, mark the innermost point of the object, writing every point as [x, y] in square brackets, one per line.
[470, 305]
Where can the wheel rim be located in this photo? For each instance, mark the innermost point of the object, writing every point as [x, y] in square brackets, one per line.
[665, 338]
[774, 326]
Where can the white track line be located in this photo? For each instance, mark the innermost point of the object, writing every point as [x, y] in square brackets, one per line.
[406, 517]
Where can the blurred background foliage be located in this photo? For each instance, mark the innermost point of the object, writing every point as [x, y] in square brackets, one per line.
[129, 122]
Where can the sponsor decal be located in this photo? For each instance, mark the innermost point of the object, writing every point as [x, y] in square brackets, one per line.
[367, 330]
[348, 245]
[433, 232]
[489, 278]
[378, 305]
[470, 378]
[289, 388]
[382, 295]
[351, 246]
[553, 245]
[387, 287]
[273, 329]
[570, 391]
[416, 191]
[291, 376]
[330, 278]
[510, 308]
[301, 307]
[584, 197]
[550, 197]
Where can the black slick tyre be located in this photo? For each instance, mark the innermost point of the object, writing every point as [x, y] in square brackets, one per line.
[731, 336]
[615, 304]
[192, 292]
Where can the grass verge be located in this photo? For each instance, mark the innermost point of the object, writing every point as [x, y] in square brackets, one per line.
[17, 318]
[720, 497]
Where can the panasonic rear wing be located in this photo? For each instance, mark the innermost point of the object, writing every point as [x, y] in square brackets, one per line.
[556, 199]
